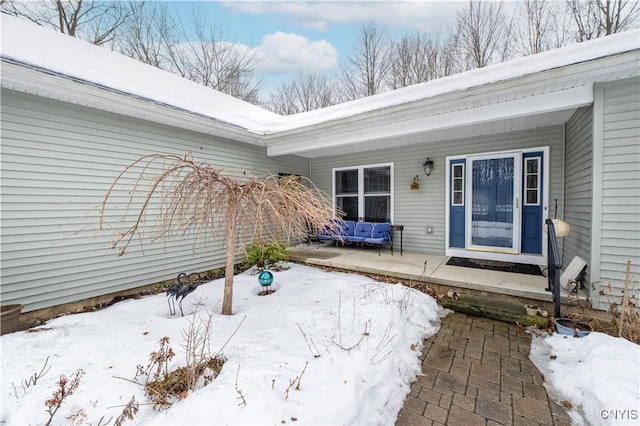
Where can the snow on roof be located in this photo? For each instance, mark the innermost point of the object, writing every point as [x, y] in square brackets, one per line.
[519, 67]
[31, 44]
[25, 42]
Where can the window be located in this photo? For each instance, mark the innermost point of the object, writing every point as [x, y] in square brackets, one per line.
[457, 193]
[364, 193]
[532, 181]
[346, 184]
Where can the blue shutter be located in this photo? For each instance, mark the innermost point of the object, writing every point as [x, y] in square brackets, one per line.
[457, 201]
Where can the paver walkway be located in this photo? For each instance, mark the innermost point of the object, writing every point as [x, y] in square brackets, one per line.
[477, 371]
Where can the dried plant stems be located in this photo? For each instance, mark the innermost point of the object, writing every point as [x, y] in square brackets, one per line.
[625, 296]
[314, 351]
[295, 381]
[197, 201]
[241, 397]
[65, 388]
[33, 379]
[128, 412]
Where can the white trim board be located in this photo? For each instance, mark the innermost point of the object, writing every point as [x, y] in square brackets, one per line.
[540, 104]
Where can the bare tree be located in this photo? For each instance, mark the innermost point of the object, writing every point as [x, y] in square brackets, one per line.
[483, 32]
[365, 71]
[214, 62]
[535, 32]
[146, 34]
[418, 57]
[597, 18]
[306, 92]
[95, 21]
[195, 200]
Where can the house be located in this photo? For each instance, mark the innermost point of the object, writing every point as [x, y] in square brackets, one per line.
[550, 135]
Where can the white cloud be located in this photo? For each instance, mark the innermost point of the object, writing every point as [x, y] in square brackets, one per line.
[292, 53]
[413, 15]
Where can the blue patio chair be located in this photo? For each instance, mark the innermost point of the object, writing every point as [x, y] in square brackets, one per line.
[362, 232]
[347, 230]
[331, 232]
[326, 233]
[380, 235]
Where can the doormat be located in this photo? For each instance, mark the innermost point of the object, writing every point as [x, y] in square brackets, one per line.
[494, 265]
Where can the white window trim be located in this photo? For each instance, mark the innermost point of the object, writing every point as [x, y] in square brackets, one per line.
[361, 194]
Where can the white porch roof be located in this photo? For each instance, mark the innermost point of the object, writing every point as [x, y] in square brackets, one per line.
[535, 91]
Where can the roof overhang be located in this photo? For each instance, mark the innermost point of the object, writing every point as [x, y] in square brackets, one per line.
[28, 79]
[540, 90]
[542, 99]
[537, 111]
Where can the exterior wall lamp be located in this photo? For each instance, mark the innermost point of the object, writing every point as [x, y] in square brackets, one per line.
[428, 167]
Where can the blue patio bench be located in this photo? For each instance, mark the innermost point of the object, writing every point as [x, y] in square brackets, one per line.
[358, 233]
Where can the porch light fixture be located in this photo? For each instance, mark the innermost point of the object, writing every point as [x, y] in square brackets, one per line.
[428, 167]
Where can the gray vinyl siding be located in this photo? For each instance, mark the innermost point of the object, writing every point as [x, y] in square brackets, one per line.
[577, 186]
[58, 161]
[418, 209]
[620, 223]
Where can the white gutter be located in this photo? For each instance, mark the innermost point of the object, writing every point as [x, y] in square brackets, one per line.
[549, 102]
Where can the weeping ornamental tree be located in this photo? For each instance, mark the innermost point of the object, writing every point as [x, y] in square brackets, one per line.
[194, 200]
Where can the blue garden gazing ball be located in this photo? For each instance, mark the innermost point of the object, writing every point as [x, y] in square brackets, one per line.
[265, 278]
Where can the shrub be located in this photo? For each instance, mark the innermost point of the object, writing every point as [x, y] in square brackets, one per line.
[262, 253]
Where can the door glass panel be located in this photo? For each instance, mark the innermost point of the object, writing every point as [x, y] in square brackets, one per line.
[458, 185]
[492, 202]
[532, 181]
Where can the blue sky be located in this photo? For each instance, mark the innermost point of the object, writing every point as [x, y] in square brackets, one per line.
[292, 37]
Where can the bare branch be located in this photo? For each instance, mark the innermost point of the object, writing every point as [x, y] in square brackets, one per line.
[195, 201]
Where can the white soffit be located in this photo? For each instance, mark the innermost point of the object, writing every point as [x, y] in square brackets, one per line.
[536, 111]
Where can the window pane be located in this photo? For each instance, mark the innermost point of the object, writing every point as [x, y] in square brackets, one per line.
[349, 205]
[347, 181]
[492, 217]
[457, 198]
[532, 197]
[377, 209]
[532, 165]
[377, 180]
[457, 185]
[457, 171]
[532, 181]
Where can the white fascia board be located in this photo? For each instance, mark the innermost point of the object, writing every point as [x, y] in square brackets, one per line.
[548, 102]
[16, 77]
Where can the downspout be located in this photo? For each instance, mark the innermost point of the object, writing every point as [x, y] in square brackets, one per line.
[563, 182]
[596, 191]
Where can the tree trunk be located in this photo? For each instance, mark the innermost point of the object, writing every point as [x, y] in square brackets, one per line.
[227, 300]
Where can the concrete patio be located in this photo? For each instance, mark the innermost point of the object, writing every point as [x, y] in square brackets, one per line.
[427, 268]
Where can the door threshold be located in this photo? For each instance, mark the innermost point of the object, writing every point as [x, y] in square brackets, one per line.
[533, 259]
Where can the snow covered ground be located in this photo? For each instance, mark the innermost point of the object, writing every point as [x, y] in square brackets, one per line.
[597, 375]
[383, 324]
[368, 336]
